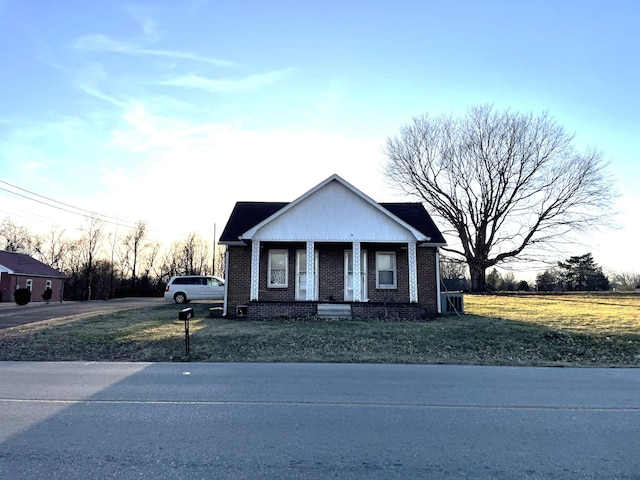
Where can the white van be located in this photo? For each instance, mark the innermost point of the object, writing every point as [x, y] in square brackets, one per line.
[194, 287]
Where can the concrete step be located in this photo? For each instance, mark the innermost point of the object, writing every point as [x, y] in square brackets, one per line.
[334, 310]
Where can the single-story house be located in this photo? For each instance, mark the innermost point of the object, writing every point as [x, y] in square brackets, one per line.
[18, 270]
[333, 252]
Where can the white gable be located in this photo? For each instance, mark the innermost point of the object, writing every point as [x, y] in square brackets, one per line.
[334, 211]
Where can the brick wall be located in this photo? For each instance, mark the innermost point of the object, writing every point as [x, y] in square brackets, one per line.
[427, 282]
[238, 279]
[8, 284]
[264, 310]
[279, 301]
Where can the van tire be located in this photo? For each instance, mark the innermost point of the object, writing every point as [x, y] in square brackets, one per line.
[180, 297]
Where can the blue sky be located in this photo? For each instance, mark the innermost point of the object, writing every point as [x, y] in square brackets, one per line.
[140, 111]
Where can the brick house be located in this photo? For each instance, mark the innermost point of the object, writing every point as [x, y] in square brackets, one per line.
[18, 270]
[333, 252]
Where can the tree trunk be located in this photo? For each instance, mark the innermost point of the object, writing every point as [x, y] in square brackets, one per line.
[478, 280]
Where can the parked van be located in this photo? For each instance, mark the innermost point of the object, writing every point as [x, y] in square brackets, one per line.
[194, 287]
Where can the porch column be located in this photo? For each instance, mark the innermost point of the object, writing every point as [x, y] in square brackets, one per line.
[413, 273]
[357, 276]
[311, 288]
[255, 269]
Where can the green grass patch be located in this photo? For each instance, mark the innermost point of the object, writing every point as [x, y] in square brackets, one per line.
[567, 330]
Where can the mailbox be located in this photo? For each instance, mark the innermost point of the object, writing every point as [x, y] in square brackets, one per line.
[185, 314]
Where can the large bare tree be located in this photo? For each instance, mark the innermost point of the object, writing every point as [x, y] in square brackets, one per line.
[500, 181]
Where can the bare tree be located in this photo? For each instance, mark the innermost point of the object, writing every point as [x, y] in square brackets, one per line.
[133, 247]
[626, 281]
[15, 238]
[453, 273]
[191, 256]
[90, 245]
[500, 181]
[149, 258]
[220, 261]
[51, 249]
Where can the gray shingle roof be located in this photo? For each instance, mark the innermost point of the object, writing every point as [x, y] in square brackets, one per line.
[23, 264]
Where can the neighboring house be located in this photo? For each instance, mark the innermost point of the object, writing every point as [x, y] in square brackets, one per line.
[18, 270]
[333, 252]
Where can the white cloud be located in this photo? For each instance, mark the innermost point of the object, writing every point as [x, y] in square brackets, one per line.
[248, 83]
[195, 172]
[97, 42]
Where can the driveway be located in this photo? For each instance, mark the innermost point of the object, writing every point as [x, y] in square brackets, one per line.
[12, 314]
[78, 420]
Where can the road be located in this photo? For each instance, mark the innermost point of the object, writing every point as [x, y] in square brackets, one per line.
[12, 314]
[316, 421]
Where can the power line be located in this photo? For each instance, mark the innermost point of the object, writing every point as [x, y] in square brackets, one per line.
[66, 207]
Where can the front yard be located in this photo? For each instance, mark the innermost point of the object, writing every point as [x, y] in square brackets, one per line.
[562, 330]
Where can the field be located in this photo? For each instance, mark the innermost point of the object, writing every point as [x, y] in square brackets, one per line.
[558, 330]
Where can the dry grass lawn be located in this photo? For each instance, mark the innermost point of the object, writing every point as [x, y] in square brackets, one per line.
[560, 330]
[607, 313]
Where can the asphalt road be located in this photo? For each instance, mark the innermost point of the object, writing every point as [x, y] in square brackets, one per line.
[316, 421]
[12, 314]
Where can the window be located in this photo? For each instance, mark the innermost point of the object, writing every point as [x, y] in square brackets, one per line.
[278, 269]
[48, 284]
[386, 270]
[30, 284]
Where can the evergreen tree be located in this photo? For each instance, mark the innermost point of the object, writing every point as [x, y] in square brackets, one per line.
[581, 273]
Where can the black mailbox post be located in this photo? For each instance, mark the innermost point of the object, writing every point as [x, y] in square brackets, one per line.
[186, 314]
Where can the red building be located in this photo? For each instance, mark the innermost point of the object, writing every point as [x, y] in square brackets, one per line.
[18, 270]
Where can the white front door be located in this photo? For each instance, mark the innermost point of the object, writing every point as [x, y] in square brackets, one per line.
[301, 275]
[348, 275]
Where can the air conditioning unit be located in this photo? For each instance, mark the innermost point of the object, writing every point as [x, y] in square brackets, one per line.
[452, 303]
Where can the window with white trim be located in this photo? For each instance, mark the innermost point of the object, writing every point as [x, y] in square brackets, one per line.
[278, 268]
[30, 284]
[386, 270]
[48, 285]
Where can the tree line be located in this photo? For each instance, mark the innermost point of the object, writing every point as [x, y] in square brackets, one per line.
[102, 263]
[578, 273]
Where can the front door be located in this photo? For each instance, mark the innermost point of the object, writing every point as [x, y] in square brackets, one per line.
[348, 275]
[301, 275]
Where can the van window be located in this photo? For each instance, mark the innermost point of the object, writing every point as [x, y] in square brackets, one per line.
[187, 281]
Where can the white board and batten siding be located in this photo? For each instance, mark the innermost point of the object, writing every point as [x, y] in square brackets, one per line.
[334, 214]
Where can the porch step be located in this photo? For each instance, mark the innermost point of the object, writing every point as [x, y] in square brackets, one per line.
[334, 310]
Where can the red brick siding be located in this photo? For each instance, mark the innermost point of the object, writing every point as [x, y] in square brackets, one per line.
[281, 301]
[394, 311]
[265, 310]
[8, 284]
[427, 282]
[331, 272]
[238, 279]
